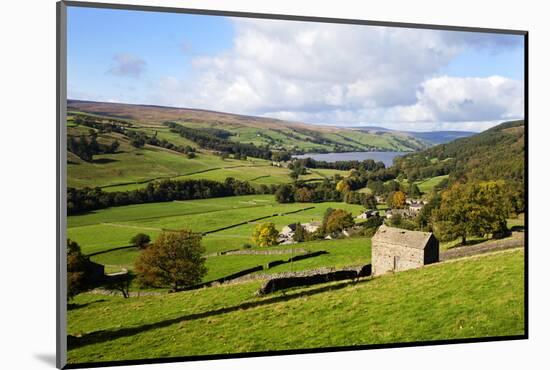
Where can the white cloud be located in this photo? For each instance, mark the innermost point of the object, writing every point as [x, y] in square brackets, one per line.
[127, 65]
[347, 75]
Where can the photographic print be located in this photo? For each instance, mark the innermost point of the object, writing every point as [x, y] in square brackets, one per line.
[241, 185]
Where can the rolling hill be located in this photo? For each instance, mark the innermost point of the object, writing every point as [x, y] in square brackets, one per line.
[277, 134]
[430, 137]
[494, 154]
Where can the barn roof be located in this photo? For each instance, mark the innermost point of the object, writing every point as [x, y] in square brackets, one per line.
[406, 238]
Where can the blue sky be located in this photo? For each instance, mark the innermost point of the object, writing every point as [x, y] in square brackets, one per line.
[312, 72]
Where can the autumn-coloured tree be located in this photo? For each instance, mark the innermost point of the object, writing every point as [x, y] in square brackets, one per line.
[174, 259]
[338, 220]
[265, 235]
[343, 186]
[304, 195]
[397, 199]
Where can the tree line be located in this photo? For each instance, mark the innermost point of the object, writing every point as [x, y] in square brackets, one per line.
[365, 165]
[86, 149]
[88, 199]
[206, 139]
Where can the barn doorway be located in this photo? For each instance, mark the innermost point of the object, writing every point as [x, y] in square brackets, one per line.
[395, 263]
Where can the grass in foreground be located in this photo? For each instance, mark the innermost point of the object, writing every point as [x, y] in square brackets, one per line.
[470, 298]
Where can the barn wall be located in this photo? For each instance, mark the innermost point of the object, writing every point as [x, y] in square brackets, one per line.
[431, 254]
[383, 254]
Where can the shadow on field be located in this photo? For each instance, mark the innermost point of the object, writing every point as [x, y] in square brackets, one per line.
[104, 160]
[107, 335]
[468, 243]
[76, 306]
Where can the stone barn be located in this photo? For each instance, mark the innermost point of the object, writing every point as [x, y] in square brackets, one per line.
[396, 249]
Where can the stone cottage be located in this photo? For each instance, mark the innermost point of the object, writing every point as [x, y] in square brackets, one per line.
[396, 249]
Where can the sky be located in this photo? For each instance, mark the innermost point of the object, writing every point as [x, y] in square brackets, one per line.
[319, 73]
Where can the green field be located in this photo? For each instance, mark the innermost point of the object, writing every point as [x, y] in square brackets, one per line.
[427, 185]
[470, 298]
[113, 227]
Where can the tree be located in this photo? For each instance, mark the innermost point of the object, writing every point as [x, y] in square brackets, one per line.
[300, 233]
[343, 186]
[339, 220]
[296, 169]
[137, 141]
[265, 235]
[472, 209]
[304, 195]
[174, 259]
[423, 219]
[76, 269]
[414, 191]
[285, 194]
[114, 146]
[140, 240]
[368, 201]
[397, 199]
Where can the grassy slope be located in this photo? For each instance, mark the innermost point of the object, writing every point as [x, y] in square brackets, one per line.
[427, 185]
[477, 297]
[118, 171]
[131, 164]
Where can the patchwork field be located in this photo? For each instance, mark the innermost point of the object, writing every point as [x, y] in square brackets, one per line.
[106, 229]
[474, 297]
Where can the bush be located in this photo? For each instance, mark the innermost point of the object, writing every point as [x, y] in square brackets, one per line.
[76, 269]
[140, 240]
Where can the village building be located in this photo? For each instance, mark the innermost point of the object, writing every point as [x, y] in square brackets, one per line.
[403, 212]
[368, 214]
[312, 226]
[416, 208]
[396, 249]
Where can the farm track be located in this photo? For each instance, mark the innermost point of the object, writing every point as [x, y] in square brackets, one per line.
[487, 247]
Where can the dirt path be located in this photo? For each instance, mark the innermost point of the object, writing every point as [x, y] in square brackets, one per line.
[515, 241]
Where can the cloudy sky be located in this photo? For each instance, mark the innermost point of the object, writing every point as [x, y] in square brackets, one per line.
[331, 74]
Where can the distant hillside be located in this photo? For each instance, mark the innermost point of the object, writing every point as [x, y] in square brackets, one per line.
[431, 137]
[260, 131]
[441, 137]
[494, 154]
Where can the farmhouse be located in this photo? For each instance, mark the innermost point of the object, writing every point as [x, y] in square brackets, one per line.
[415, 208]
[368, 214]
[398, 249]
[402, 212]
[312, 226]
